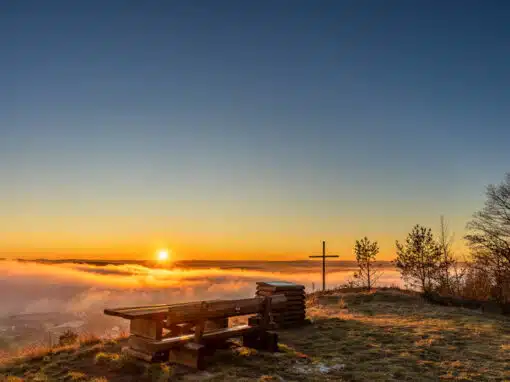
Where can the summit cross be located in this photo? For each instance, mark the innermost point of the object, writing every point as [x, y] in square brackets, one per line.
[323, 256]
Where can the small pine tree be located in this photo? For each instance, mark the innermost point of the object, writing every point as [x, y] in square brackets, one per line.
[419, 259]
[366, 251]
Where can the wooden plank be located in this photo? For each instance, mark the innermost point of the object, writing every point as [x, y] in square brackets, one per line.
[279, 286]
[221, 309]
[138, 312]
[147, 311]
[150, 346]
[199, 331]
[254, 320]
[266, 314]
[293, 294]
[292, 308]
[295, 300]
[152, 306]
[246, 306]
[287, 295]
[262, 292]
[292, 304]
[179, 329]
[147, 328]
[219, 323]
[279, 291]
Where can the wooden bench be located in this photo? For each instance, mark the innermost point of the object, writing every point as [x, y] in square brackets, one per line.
[186, 333]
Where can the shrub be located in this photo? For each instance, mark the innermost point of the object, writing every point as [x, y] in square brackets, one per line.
[68, 338]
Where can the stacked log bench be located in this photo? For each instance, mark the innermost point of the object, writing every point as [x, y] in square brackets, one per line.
[187, 333]
[293, 312]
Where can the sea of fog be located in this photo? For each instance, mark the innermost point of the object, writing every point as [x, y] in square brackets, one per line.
[39, 297]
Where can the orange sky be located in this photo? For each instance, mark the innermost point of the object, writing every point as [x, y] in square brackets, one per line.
[76, 239]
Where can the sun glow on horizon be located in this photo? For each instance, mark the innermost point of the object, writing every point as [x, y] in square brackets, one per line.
[163, 255]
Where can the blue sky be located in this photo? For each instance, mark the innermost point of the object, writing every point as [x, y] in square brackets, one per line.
[239, 127]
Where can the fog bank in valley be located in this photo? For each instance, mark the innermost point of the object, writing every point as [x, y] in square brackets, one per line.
[82, 291]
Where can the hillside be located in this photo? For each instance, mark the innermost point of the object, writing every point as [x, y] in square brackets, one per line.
[386, 335]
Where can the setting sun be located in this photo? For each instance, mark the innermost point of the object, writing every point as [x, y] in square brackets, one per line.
[162, 255]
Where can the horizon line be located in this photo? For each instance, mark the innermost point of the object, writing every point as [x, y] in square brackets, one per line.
[175, 261]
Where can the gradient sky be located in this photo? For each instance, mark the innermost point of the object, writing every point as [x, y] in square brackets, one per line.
[246, 129]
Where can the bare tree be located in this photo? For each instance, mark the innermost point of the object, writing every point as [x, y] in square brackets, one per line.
[366, 251]
[419, 259]
[489, 238]
[449, 276]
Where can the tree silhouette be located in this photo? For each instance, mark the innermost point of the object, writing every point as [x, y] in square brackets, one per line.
[489, 238]
[419, 259]
[366, 251]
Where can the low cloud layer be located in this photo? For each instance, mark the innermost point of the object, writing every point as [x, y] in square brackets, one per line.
[85, 290]
[35, 287]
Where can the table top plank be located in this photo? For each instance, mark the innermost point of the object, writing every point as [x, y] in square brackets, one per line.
[213, 308]
[155, 311]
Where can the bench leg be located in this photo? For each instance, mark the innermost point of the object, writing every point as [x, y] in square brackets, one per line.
[147, 328]
[251, 340]
[190, 354]
[263, 340]
[255, 320]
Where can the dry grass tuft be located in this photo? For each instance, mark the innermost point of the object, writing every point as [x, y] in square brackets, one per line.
[106, 359]
[37, 352]
[12, 378]
[159, 372]
[75, 376]
[88, 339]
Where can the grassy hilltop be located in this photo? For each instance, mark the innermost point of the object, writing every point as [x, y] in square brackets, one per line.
[386, 335]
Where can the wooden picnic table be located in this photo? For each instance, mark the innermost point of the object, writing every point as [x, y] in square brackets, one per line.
[186, 332]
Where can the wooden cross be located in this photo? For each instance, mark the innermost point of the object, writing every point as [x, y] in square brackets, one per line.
[323, 256]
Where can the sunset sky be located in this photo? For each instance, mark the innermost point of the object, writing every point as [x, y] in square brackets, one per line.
[246, 129]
